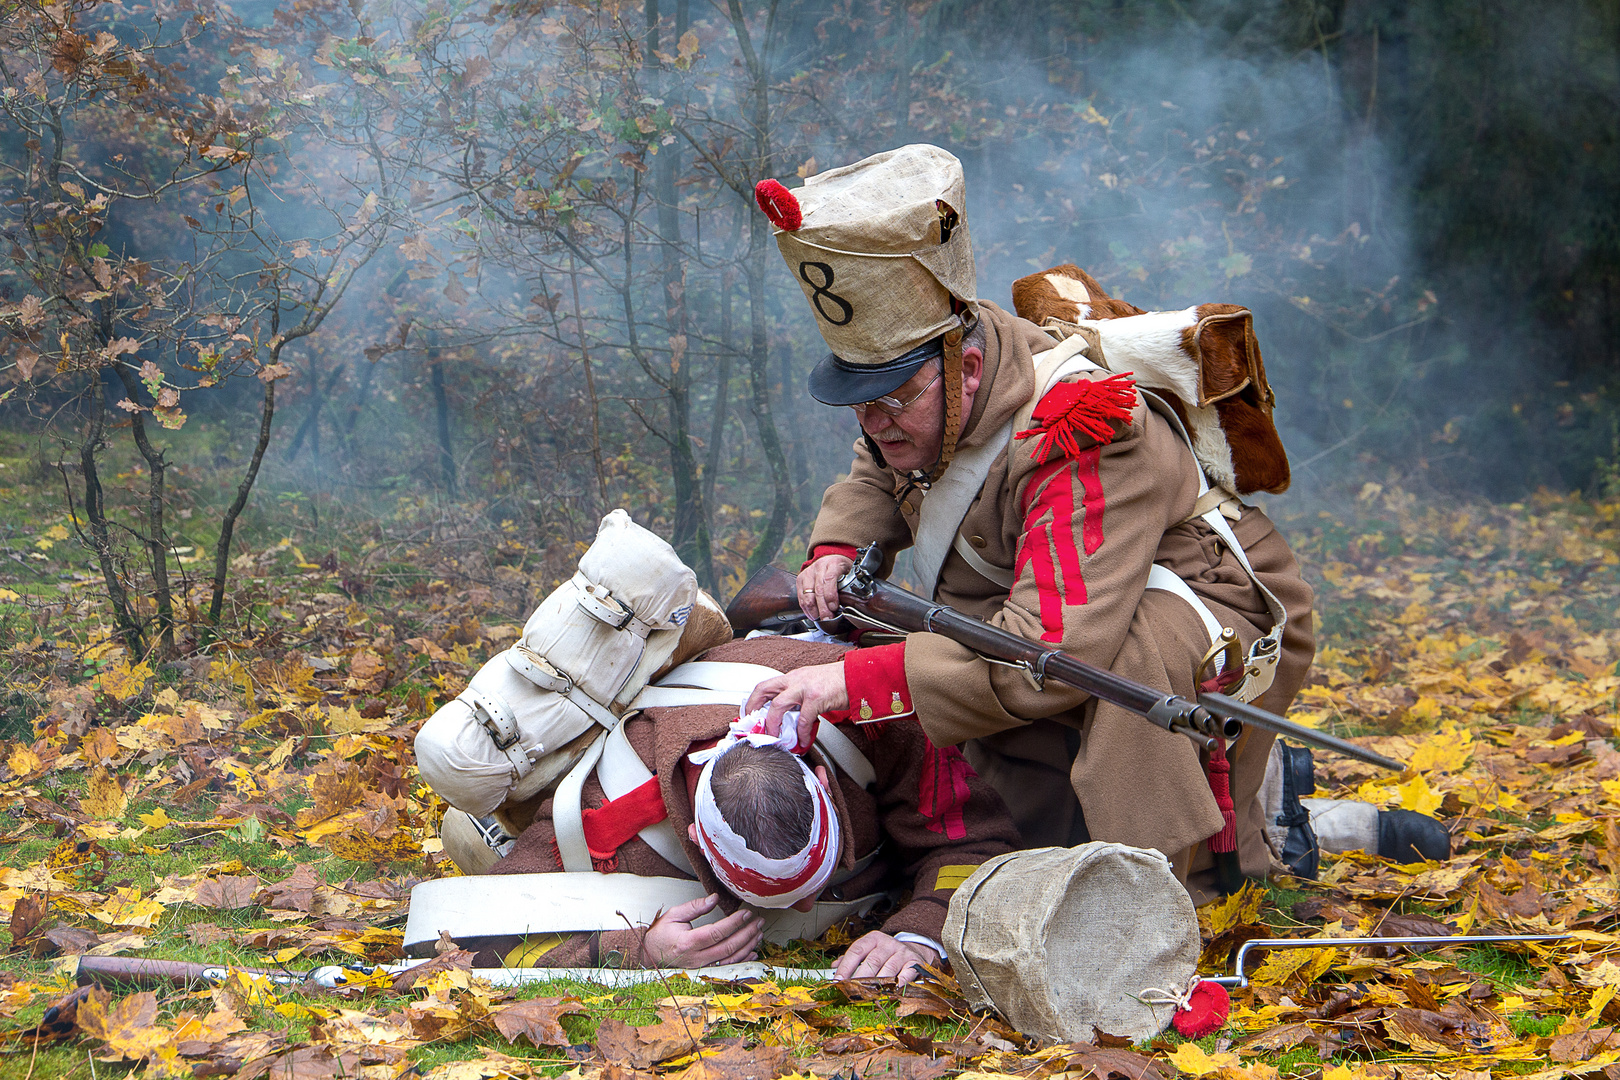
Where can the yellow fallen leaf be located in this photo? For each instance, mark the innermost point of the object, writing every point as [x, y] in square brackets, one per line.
[23, 762]
[104, 798]
[122, 681]
[156, 819]
[1193, 1061]
[125, 907]
[1282, 965]
[1416, 795]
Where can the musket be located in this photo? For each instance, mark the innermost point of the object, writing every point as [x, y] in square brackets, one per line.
[769, 601]
[134, 971]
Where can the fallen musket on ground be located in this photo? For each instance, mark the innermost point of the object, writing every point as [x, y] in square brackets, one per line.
[127, 971]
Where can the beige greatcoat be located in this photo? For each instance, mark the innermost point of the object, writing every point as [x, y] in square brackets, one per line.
[1069, 767]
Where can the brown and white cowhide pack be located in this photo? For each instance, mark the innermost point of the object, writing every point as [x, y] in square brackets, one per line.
[1203, 360]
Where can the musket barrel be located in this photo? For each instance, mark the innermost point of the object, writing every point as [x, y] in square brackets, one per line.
[1266, 721]
[1213, 714]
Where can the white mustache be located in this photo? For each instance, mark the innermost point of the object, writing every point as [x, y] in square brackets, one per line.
[892, 435]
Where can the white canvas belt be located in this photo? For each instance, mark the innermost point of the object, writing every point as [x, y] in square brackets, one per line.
[495, 716]
[1160, 577]
[1213, 505]
[946, 504]
[487, 906]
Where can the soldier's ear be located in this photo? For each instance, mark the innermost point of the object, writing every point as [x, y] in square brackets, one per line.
[821, 775]
[691, 832]
[972, 368]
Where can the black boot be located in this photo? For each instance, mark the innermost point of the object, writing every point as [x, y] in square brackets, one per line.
[1301, 853]
[1407, 836]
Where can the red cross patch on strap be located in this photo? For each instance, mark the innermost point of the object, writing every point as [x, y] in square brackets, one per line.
[1084, 407]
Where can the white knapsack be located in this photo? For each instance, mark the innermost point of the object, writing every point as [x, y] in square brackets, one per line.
[531, 712]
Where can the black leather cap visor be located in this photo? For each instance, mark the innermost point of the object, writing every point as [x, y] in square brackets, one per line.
[835, 382]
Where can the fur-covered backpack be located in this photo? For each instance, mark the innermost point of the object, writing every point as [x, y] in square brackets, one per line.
[1204, 361]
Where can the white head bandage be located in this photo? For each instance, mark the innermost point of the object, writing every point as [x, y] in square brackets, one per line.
[754, 878]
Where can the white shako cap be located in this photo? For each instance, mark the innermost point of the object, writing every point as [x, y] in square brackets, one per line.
[754, 878]
[881, 250]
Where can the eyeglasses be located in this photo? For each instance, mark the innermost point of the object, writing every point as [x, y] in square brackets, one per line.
[894, 406]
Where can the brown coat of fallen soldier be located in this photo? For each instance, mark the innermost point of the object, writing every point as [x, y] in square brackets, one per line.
[927, 840]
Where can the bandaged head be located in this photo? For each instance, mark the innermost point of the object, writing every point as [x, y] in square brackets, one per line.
[753, 877]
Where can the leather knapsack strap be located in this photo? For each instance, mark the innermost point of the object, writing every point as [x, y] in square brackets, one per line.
[951, 365]
[547, 676]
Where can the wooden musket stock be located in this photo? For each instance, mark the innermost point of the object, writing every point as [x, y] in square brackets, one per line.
[769, 601]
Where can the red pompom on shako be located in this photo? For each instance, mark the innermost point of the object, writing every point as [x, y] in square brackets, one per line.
[1086, 406]
[779, 205]
[1206, 1011]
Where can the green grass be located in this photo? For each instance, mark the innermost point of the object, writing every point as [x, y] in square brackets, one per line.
[1503, 970]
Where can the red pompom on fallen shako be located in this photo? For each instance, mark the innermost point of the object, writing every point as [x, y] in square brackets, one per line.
[1206, 1011]
[779, 205]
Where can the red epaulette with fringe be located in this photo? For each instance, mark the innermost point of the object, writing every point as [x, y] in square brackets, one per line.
[1084, 407]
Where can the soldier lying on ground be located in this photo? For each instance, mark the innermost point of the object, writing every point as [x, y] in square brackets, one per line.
[763, 830]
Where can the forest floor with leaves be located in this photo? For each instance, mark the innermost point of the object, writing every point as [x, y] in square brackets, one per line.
[256, 805]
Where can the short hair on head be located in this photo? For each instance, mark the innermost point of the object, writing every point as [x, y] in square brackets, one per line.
[760, 792]
[975, 335]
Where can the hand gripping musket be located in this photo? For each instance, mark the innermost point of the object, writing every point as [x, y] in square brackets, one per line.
[769, 601]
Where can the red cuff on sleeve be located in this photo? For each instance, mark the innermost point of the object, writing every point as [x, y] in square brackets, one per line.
[876, 681]
[819, 550]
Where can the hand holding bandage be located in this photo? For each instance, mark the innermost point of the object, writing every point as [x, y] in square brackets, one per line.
[806, 694]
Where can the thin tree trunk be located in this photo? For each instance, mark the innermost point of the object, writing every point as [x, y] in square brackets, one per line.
[691, 533]
[227, 525]
[590, 392]
[759, 378]
[310, 428]
[95, 513]
[441, 410]
[800, 458]
[722, 394]
[359, 403]
[760, 382]
[156, 540]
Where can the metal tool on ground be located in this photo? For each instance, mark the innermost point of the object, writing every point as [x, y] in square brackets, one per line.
[769, 599]
[126, 971]
[1240, 978]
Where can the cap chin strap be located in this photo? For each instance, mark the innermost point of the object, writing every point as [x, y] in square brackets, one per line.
[952, 369]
